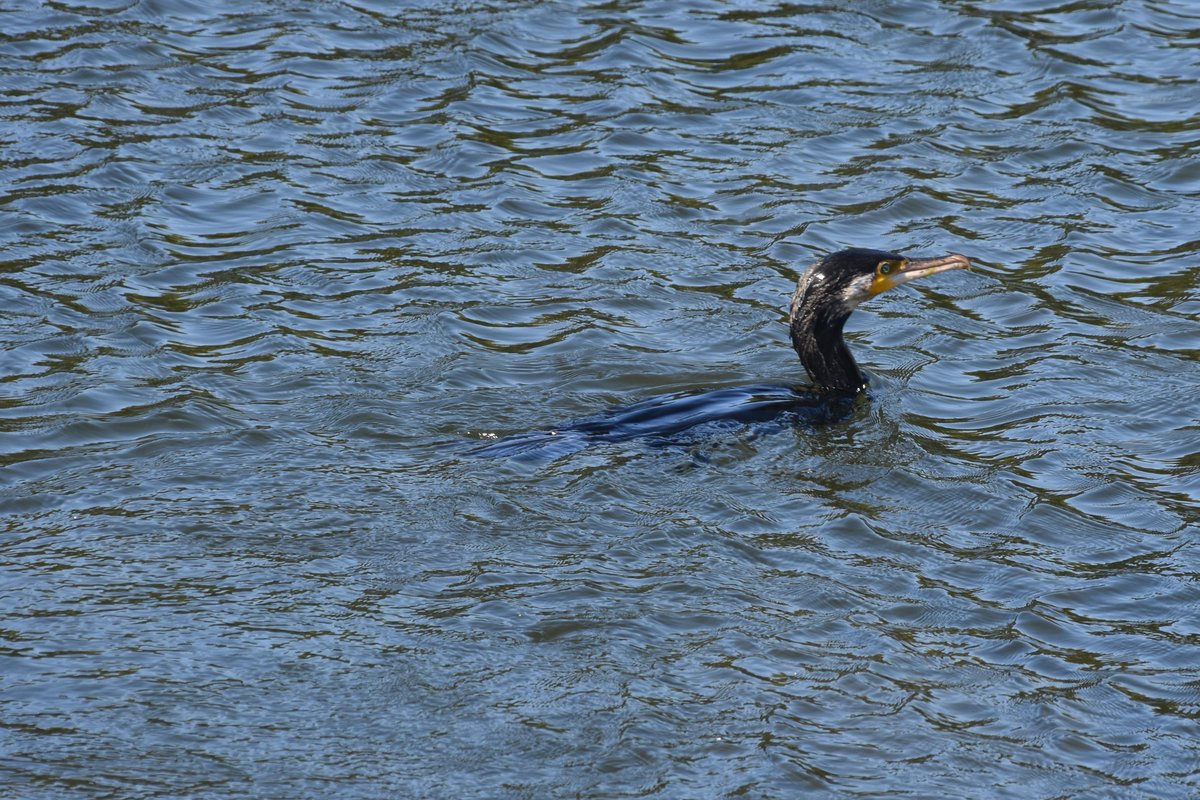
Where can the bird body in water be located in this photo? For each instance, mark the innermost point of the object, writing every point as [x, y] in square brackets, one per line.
[826, 294]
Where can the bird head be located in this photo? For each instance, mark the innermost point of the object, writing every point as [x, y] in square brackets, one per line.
[842, 280]
[831, 289]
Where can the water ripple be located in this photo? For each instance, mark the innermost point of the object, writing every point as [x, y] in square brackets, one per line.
[265, 271]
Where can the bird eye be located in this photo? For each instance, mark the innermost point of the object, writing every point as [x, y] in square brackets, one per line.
[885, 267]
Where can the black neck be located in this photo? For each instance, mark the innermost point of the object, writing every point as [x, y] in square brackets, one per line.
[818, 339]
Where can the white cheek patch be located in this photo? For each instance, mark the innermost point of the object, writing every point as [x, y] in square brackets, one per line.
[856, 291]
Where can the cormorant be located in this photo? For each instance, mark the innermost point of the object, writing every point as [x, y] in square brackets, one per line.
[826, 294]
[830, 290]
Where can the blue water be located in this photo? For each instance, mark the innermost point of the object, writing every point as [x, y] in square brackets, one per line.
[270, 271]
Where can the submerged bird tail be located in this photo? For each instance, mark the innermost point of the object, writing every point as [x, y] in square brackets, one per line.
[534, 446]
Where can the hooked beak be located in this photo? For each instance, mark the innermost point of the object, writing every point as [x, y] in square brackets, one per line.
[912, 268]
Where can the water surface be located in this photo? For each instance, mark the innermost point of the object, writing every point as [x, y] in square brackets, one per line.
[265, 267]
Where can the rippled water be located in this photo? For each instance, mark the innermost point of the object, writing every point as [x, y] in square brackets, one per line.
[266, 267]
